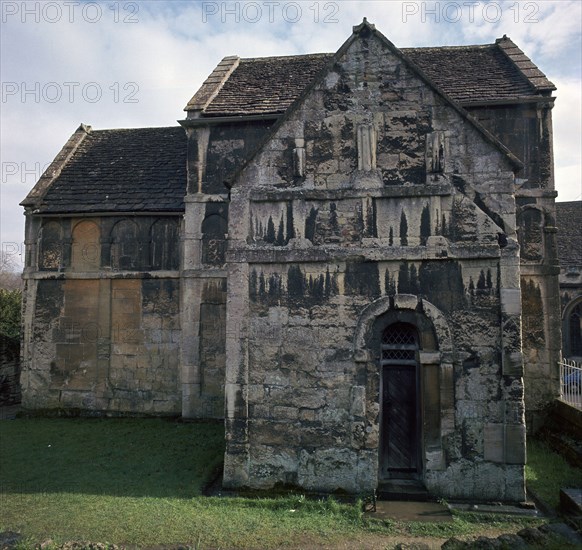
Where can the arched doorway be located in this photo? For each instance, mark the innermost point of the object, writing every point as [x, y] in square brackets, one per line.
[430, 355]
[400, 403]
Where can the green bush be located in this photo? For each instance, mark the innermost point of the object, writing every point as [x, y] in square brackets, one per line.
[10, 301]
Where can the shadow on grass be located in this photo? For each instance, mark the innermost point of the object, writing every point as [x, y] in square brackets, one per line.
[547, 472]
[115, 457]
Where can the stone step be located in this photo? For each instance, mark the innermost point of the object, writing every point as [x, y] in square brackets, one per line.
[565, 444]
[411, 511]
[403, 490]
[571, 501]
[563, 431]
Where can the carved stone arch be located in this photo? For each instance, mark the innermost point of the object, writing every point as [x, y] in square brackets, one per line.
[531, 221]
[572, 329]
[51, 241]
[86, 246]
[125, 249]
[433, 381]
[400, 302]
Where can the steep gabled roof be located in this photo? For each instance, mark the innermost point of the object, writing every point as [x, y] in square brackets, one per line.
[468, 74]
[257, 85]
[144, 170]
[366, 29]
[488, 73]
[569, 224]
[137, 170]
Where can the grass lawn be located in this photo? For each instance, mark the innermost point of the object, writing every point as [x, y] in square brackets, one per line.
[109, 457]
[139, 482]
[547, 472]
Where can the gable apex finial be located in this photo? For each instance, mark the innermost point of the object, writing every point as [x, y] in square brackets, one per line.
[364, 25]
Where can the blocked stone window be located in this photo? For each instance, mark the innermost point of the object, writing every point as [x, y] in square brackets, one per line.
[86, 247]
[51, 246]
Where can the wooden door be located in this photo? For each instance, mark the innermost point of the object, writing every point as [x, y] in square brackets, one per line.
[400, 404]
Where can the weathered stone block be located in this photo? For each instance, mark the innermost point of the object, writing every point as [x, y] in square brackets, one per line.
[358, 397]
[309, 399]
[274, 433]
[285, 413]
[327, 470]
[307, 415]
[269, 466]
[435, 460]
[256, 393]
[512, 363]
[494, 443]
[515, 444]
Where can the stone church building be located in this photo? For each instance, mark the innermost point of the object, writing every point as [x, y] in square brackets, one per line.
[569, 216]
[349, 257]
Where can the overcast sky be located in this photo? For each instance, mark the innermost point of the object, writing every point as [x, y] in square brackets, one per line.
[118, 64]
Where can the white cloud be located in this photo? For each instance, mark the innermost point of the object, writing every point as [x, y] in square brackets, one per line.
[570, 183]
[567, 122]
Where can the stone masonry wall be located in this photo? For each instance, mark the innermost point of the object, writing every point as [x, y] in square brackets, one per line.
[103, 317]
[374, 202]
[526, 129]
[9, 371]
[215, 152]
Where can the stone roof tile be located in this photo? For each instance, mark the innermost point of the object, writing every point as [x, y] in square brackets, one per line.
[265, 85]
[145, 169]
[470, 74]
[142, 169]
[569, 224]
[467, 74]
